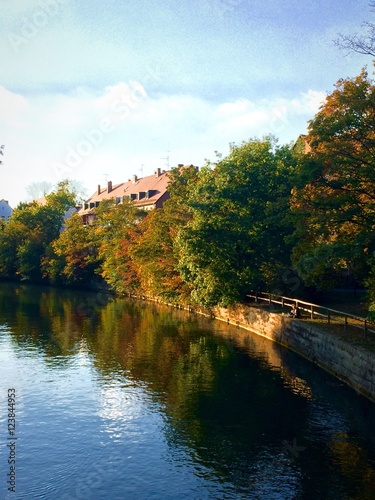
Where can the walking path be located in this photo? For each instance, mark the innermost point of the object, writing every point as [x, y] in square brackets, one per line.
[312, 311]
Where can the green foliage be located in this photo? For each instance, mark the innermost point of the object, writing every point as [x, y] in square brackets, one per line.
[238, 224]
[29, 232]
[72, 258]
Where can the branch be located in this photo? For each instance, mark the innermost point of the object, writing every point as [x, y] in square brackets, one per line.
[360, 44]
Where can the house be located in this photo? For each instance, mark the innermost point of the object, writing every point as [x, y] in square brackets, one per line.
[147, 193]
[301, 145]
[43, 201]
[5, 210]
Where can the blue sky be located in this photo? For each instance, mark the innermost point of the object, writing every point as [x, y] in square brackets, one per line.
[93, 90]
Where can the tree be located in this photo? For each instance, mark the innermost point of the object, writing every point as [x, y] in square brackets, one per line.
[334, 201]
[115, 226]
[37, 190]
[40, 189]
[154, 251]
[29, 231]
[362, 44]
[235, 240]
[72, 258]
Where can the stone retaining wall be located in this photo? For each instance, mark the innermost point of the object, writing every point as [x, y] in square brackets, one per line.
[349, 363]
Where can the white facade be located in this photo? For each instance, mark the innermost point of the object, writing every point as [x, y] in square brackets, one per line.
[5, 210]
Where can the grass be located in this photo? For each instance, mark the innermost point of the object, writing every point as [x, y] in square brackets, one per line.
[352, 335]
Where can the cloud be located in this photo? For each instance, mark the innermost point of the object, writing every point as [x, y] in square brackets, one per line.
[285, 118]
[87, 133]
[12, 106]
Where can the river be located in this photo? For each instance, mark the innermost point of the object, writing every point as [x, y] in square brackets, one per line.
[109, 398]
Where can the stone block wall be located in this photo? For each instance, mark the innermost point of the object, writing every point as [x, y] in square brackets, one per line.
[351, 364]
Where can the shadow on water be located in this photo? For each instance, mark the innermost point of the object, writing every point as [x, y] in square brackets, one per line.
[265, 422]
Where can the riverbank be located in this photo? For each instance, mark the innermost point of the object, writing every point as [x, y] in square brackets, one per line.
[350, 363]
[353, 362]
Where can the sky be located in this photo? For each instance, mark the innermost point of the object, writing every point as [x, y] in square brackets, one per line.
[100, 90]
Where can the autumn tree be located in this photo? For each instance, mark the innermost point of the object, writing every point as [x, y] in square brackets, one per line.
[115, 226]
[334, 201]
[153, 251]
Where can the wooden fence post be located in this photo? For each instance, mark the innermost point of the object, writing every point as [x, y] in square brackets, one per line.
[312, 312]
[328, 316]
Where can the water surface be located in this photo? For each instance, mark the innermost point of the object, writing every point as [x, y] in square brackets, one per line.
[119, 399]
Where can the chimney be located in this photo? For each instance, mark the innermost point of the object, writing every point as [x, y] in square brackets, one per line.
[109, 186]
[134, 179]
[158, 172]
[98, 188]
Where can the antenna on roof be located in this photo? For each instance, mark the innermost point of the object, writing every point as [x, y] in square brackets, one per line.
[105, 177]
[141, 169]
[2, 152]
[167, 158]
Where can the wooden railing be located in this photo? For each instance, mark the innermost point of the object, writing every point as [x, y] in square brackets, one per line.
[315, 311]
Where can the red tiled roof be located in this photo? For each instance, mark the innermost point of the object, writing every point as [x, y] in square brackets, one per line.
[154, 183]
[144, 191]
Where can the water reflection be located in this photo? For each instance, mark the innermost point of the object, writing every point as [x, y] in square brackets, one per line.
[203, 409]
